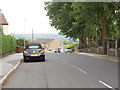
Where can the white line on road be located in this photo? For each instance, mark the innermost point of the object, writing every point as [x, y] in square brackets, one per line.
[107, 85]
[79, 69]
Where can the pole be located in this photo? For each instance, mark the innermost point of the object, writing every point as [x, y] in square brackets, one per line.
[32, 36]
[24, 31]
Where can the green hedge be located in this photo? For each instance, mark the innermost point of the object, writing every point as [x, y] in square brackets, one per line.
[7, 43]
[73, 45]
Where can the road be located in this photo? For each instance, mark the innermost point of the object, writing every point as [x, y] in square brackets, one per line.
[66, 70]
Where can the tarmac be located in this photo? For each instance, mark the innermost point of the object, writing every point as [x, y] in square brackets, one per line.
[9, 63]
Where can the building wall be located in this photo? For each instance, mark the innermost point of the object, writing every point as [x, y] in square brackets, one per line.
[5, 29]
[55, 44]
[45, 46]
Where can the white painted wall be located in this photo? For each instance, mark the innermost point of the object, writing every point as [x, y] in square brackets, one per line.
[5, 29]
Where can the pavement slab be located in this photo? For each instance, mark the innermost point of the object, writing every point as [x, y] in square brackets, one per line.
[8, 62]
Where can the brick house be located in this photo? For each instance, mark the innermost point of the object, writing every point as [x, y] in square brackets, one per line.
[3, 23]
[49, 43]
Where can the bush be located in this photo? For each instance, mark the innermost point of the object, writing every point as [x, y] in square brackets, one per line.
[20, 42]
[7, 43]
[73, 45]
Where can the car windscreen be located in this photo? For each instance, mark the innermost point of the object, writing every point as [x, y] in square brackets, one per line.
[68, 48]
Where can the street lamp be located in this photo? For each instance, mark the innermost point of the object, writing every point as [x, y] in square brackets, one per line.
[24, 30]
[32, 36]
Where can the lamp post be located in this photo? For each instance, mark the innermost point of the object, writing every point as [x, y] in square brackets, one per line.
[32, 36]
[24, 30]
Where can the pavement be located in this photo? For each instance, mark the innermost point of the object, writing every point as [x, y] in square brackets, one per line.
[9, 62]
[106, 57]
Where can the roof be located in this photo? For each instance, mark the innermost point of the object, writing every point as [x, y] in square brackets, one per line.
[3, 20]
[43, 40]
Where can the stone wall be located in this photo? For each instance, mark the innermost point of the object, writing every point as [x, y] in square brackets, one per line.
[94, 50]
[101, 50]
[111, 52]
[110, 47]
[118, 52]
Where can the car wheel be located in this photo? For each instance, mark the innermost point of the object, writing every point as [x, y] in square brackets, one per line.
[43, 60]
[25, 60]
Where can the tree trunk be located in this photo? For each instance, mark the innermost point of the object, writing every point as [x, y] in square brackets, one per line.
[105, 28]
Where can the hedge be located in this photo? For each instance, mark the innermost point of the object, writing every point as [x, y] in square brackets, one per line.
[7, 43]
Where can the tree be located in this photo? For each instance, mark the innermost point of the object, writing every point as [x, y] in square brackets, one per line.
[88, 22]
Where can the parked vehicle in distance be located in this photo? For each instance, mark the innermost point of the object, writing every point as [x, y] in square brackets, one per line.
[68, 49]
[34, 52]
[57, 50]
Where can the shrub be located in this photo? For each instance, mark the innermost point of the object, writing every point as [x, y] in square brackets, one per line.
[20, 42]
[73, 45]
[7, 43]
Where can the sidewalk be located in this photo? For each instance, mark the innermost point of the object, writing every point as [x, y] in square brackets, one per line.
[110, 58]
[7, 63]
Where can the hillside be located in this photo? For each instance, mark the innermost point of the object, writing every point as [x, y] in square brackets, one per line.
[29, 36]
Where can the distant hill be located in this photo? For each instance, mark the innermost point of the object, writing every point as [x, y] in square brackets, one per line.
[29, 36]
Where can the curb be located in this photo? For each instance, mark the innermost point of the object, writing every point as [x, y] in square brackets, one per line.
[4, 79]
[113, 60]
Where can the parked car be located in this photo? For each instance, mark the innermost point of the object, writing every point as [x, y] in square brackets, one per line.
[57, 50]
[34, 52]
[68, 49]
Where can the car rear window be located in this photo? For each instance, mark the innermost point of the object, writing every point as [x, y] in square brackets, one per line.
[33, 47]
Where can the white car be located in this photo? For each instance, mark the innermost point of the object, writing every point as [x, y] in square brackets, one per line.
[57, 50]
[68, 49]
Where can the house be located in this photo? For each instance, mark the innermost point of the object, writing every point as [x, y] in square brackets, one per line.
[3, 23]
[49, 43]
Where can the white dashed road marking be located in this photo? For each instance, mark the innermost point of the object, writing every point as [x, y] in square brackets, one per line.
[80, 69]
[107, 85]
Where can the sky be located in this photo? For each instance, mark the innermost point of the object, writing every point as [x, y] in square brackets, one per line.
[25, 15]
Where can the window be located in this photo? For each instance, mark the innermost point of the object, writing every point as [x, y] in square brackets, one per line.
[33, 47]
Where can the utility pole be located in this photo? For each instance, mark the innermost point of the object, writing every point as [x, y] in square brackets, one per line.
[32, 36]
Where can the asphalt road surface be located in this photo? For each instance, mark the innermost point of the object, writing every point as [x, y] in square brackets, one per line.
[66, 70]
